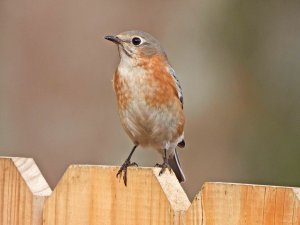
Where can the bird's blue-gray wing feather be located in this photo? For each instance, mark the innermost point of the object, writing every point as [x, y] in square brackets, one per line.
[178, 87]
[181, 143]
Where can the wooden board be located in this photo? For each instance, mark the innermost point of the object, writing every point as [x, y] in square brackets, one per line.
[90, 195]
[22, 192]
[236, 204]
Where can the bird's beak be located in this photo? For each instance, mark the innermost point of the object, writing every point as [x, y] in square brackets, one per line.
[113, 38]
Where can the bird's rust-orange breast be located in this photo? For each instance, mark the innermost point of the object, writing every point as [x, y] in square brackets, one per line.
[121, 90]
[165, 88]
[156, 87]
[165, 94]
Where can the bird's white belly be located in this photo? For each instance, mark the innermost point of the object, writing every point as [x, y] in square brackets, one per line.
[149, 126]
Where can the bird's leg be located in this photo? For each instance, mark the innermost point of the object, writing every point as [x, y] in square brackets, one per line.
[125, 165]
[164, 165]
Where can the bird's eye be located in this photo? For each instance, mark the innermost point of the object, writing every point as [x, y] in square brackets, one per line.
[136, 41]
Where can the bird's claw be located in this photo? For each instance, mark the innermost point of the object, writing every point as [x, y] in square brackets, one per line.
[165, 165]
[126, 164]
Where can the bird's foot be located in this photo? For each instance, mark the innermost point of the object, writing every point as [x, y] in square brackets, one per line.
[165, 165]
[123, 168]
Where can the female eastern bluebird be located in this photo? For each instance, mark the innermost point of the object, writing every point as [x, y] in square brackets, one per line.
[150, 101]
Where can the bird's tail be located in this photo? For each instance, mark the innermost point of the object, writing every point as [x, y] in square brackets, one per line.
[175, 165]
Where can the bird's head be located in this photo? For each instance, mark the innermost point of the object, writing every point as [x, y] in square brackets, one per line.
[135, 45]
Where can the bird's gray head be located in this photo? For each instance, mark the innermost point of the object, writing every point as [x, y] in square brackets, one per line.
[135, 44]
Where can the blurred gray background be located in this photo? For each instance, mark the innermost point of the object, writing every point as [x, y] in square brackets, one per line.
[238, 63]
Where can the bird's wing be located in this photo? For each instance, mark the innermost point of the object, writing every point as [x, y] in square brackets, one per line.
[181, 143]
[178, 87]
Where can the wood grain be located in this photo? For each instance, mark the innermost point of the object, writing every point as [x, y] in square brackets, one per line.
[90, 195]
[237, 204]
[93, 195]
[22, 192]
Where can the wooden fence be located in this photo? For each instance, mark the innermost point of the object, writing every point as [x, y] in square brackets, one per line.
[90, 195]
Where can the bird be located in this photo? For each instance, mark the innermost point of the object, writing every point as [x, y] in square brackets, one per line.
[149, 99]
